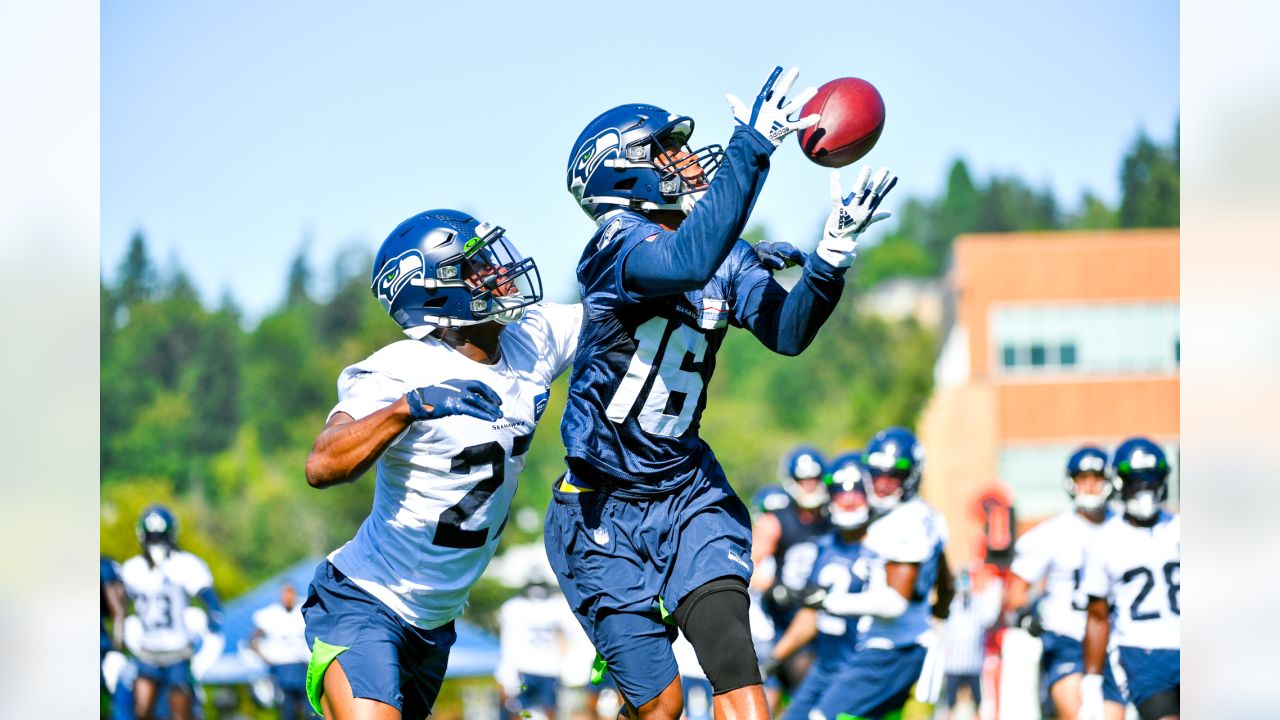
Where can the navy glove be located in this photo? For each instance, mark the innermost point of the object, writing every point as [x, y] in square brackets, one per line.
[454, 397]
[812, 596]
[778, 255]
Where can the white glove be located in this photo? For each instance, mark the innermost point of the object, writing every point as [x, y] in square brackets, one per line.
[1091, 698]
[769, 113]
[851, 215]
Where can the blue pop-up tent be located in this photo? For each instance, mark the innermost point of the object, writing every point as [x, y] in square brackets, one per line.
[475, 653]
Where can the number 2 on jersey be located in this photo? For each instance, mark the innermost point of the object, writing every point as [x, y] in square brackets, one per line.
[677, 386]
[449, 530]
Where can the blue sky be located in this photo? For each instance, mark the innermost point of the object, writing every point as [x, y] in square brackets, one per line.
[235, 133]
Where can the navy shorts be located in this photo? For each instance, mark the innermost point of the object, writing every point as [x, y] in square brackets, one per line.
[1151, 671]
[1062, 656]
[538, 692]
[384, 658]
[617, 558]
[289, 677]
[873, 683]
[174, 676]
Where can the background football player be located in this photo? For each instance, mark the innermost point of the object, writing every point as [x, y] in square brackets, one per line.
[279, 638]
[533, 628]
[788, 537]
[1133, 578]
[112, 605]
[1053, 553]
[837, 569]
[904, 547]
[447, 417]
[646, 525]
[161, 582]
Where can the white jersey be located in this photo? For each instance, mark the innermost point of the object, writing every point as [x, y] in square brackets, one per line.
[1053, 551]
[1139, 571]
[444, 486]
[160, 597]
[534, 634]
[913, 532]
[283, 634]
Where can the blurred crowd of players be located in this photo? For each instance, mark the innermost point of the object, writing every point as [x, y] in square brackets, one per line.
[1083, 623]
[1096, 586]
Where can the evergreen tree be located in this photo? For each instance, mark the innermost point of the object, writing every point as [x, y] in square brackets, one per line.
[137, 274]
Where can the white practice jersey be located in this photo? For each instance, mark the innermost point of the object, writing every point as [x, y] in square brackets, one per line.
[284, 638]
[160, 596]
[1138, 570]
[444, 486]
[534, 634]
[913, 532]
[1054, 551]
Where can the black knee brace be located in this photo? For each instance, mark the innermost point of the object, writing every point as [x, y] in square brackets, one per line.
[1162, 704]
[714, 619]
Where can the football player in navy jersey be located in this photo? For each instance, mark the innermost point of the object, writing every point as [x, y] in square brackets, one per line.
[838, 569]
[788, 536]
[645, 528]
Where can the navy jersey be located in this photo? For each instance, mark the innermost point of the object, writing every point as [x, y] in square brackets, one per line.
[798, 545]
[841, 569]
[656, 306]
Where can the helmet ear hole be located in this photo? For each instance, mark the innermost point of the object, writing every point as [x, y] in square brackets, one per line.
[434, 303]
[625, 184]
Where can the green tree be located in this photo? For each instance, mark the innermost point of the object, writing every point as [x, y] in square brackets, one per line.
[138, 279]
[1149, 184]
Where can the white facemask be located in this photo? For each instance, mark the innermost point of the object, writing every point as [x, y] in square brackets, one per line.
[688, 201]
[850, 519]
[1090, 502]
[1143, 505]
[157, 552]
[885, 503]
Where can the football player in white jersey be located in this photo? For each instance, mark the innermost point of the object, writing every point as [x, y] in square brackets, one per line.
[1132, 576]
[534, 629]
[161, 583]
[1053, 552]
[903, 548]
[447, 417]
[279, 638]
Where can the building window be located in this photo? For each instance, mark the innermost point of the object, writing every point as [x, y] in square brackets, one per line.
[1091, 338]
[1067, 354]
[1037, 355]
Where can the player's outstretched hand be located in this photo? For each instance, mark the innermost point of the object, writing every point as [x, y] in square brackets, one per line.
[852, 214]
[1091, 699]
[778, 255]
[768, 115]
[782, 596]
[454, 397]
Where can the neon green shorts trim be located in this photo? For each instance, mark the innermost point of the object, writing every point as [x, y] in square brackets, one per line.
[322, 656]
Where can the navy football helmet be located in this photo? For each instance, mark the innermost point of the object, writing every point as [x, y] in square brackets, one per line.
[894, 452]
[444, 268]
[1087, 459]
[1141, 473]
[805, 463]
[770, 498]
[157, 531]
[848, 476]
[621, 161]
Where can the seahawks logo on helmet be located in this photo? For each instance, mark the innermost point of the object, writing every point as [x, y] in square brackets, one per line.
[598, 149]
[397, 275]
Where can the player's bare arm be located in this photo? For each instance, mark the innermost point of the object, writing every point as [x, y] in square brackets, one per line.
[1097, 631]
[347, 447]
[800, 632]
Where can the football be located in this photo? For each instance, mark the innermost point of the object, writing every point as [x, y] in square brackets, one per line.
[852, 118]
